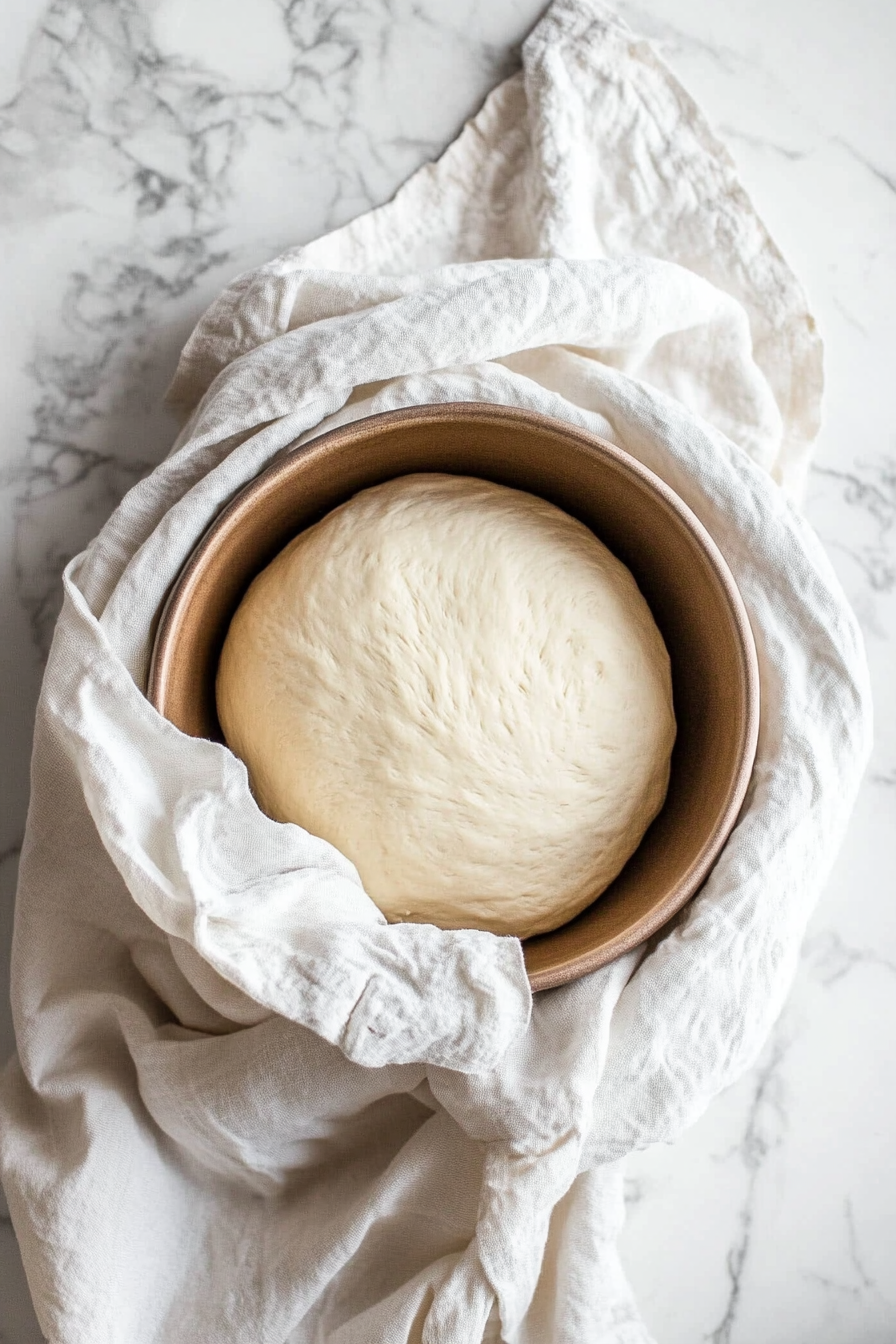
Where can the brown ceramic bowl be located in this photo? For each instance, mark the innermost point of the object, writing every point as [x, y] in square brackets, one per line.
[677, 566]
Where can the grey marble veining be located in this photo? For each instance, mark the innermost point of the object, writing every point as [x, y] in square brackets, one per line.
[150, 150]
[181, 144]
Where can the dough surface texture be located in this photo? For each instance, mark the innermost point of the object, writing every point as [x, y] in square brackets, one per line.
[458, 686]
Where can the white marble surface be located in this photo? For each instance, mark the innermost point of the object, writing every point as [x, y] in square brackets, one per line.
[149, 149]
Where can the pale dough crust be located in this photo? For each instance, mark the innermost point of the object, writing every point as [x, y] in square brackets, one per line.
[462, 689]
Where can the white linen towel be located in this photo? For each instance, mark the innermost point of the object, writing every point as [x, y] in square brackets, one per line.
[246, 1109]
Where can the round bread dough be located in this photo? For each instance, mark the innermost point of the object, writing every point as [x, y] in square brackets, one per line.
[458, 686]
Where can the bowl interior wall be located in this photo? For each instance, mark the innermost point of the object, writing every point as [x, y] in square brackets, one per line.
[673, 567]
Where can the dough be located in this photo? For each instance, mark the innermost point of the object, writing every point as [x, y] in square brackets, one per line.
[459, 687]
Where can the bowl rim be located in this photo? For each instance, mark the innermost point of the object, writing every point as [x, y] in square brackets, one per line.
[687, 885]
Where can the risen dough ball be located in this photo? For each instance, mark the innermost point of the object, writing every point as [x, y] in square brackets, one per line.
[463, 690]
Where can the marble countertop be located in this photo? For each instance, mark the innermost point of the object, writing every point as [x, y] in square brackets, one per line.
[151, 149]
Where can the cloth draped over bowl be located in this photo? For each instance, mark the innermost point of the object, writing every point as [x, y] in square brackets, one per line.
[245, 1107]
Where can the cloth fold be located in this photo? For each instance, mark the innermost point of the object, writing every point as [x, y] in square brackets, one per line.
[243, 1106]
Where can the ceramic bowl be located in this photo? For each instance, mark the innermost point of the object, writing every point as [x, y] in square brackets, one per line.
[678, 568]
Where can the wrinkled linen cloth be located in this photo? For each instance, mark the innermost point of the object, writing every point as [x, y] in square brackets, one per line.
[245, 1108]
